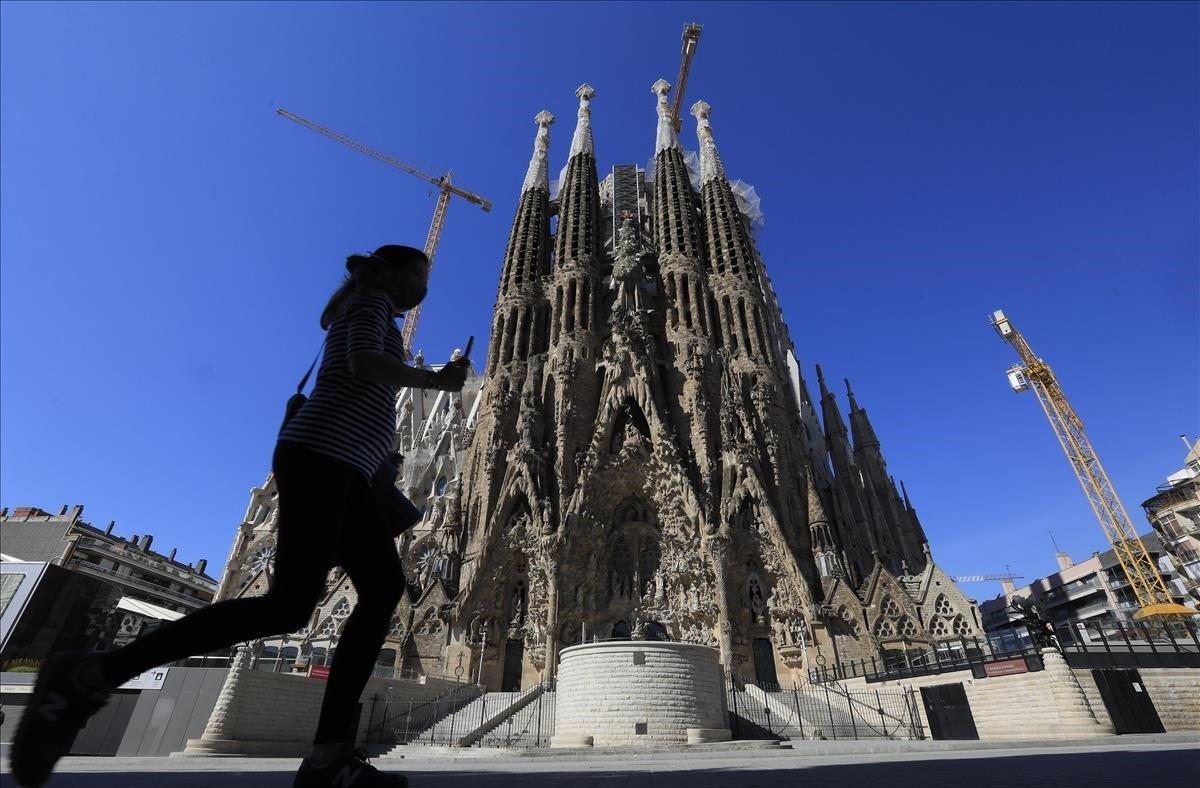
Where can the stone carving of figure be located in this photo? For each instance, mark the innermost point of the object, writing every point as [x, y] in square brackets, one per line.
[518, 606]
[627, 272]
[757, 606]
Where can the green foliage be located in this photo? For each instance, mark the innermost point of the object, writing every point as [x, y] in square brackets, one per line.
[22, 665]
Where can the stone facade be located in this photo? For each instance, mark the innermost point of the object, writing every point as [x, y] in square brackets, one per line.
[634, 694]
[641, 456]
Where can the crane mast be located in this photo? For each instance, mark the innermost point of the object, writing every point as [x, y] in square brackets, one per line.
[1154, 600]
[445, 191]
[691, 39]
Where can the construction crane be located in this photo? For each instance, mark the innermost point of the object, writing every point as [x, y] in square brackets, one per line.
[1154, 600]
[445, 191]
[1009, 576]
[691, 38]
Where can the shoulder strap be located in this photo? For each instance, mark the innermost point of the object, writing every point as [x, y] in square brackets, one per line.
[311, 367]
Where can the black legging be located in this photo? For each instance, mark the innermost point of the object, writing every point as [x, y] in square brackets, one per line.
[326, 518]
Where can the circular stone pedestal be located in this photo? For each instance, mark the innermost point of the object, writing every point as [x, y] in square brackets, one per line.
[639, 693]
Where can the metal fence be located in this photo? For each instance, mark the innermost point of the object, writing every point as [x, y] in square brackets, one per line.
[401, 720]
[1082, 644]
[530, 727]
[470, 718]
[825, 711]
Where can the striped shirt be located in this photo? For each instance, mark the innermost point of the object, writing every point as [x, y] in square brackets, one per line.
[347, 418]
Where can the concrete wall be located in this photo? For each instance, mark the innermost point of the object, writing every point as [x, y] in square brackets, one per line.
[1176, 696]
[637, 693]
[1046, 704]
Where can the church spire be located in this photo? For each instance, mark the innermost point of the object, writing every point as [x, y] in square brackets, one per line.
[665, 136]
[538, 174]
[831, 415]
[582, 141]
[860, 425]
[710, 161]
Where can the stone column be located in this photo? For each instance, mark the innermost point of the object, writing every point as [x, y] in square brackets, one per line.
[718, 550]
[551, 624]
[220, 734]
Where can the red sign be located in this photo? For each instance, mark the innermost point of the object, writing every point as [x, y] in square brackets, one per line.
[318, 672]
[1008, 667]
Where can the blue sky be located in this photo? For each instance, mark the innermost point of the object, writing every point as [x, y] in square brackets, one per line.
[167, 241]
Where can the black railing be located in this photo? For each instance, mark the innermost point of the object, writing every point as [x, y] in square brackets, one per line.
[400, 720]
[1082, 644]
[825, 711]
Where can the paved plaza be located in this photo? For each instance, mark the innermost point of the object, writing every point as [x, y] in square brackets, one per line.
[1122, 763]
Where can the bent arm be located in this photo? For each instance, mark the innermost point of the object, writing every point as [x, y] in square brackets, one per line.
[376, 367]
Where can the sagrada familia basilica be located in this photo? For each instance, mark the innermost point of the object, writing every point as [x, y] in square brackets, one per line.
[641, 456]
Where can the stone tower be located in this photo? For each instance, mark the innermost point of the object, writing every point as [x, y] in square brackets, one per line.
[641, 457]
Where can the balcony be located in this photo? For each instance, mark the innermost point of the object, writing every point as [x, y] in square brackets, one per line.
[132, 556]
[1064, 594]
[118, 579]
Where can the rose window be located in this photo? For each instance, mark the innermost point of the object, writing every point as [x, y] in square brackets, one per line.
[884, 629]
[343, 609]
[889, 607]
[908, 627]
[961, 627]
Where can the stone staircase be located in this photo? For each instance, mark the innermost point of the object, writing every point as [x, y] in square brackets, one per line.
[468, 724]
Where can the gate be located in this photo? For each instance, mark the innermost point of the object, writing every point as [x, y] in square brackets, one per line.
[1128, 703]
[948, 712]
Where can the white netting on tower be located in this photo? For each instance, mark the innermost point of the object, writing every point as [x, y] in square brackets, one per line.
[749, 203]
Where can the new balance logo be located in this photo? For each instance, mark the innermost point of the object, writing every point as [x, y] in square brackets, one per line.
[52, 706]
[346, 777]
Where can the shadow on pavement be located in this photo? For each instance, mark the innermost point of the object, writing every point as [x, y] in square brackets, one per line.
[1118, 769]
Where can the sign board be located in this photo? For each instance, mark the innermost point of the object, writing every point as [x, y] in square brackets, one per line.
[150, 680]
[318, 672]
[1007, 667]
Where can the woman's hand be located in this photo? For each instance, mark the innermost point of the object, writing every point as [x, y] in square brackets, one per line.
[451, 377]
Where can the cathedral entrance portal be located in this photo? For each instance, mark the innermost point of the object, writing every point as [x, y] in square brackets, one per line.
[764, 663]
[514, 657]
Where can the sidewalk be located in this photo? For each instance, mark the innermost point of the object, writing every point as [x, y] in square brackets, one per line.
[1145, 761]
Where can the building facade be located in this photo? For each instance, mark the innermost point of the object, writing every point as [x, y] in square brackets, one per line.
[129, 564]
[1094, 592]
[1174, 513]
[640, 456]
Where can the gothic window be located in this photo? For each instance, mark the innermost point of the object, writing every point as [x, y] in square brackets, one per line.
[439, 488]
[889, 607]
[961, 627]
[395, 628]
[939, 628]
[342, 609]
[329, 629]
[908, 628]
[942, 605]
[884, 629]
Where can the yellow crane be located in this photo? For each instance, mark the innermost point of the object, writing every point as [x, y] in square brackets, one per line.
[445, 191]
[691, 39]
[1032, 373]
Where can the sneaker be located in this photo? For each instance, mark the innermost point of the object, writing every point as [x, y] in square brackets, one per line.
[56, 713]
[352, 770]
